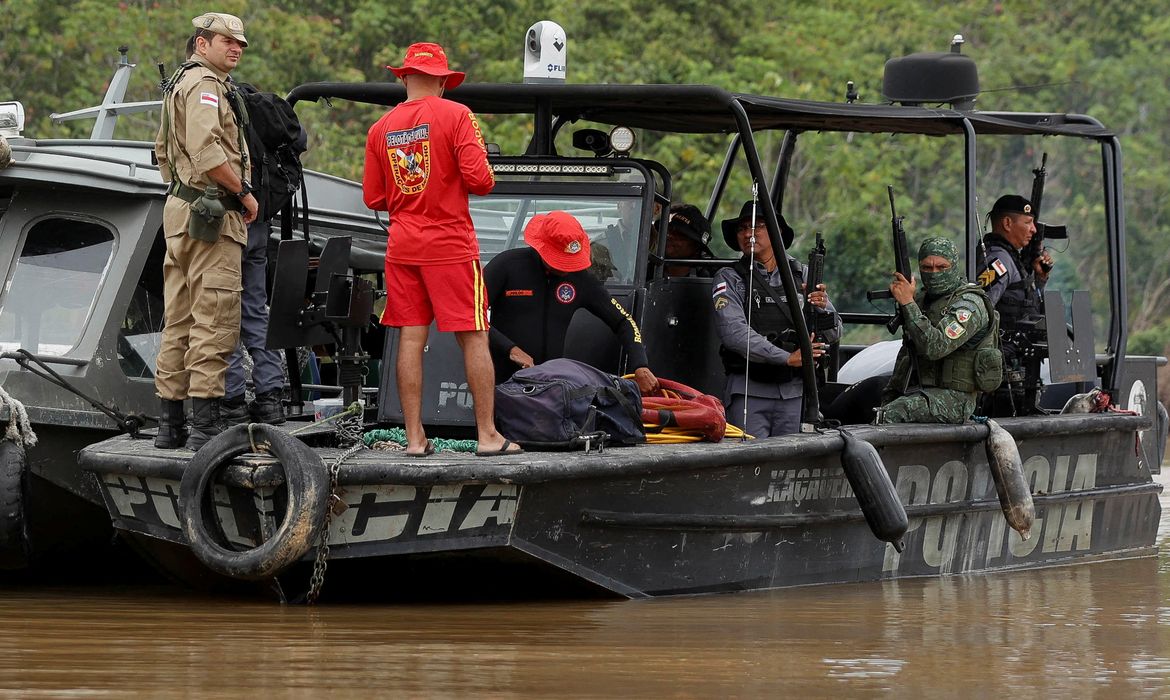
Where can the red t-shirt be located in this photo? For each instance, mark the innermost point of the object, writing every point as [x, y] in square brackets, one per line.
[422, 159]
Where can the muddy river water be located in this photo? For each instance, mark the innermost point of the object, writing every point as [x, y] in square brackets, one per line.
[1091, 630]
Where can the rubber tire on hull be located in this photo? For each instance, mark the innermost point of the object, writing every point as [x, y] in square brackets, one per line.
[14, 543]
[306, 480]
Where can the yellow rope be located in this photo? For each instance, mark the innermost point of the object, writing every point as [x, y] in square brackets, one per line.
[662, 436]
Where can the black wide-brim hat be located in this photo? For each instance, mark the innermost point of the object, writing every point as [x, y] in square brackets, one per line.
[731, 226]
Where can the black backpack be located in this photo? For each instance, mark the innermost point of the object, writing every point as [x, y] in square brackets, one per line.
[276, 141]
[564, 404]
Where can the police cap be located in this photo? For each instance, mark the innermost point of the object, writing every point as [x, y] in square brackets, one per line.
[1010, 204]
[221, 23]
[688, 221]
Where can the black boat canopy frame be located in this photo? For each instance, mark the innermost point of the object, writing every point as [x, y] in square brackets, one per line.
[705, 109]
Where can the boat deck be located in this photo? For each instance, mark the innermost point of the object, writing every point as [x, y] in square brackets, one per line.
[139, 457]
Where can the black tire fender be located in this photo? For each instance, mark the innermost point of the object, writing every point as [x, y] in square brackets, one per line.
[307, 482]
[14, 541]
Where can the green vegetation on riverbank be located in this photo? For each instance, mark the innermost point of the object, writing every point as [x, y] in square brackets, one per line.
[1107, 59]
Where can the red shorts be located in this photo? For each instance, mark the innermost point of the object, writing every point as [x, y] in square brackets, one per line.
[453, 295]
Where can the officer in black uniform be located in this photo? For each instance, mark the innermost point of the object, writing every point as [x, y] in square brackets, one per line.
[1016, 291]
[770, 384]
[534, 292]
[687, 234]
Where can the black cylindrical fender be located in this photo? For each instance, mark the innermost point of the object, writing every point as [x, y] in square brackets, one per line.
[305, 477]
[14, 542]
[1160, 427]
[1015, 496]
[874, 491]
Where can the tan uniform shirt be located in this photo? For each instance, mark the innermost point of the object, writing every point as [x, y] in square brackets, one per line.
[203, 135]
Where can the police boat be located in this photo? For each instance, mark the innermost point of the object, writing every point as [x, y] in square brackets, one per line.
[859, 502]
[81, 313]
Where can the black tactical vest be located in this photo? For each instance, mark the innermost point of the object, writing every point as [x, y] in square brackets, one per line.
[770, 318]
[1020, 300]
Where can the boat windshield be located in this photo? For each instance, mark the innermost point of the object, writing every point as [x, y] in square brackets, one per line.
[611, 222]
[51, 291]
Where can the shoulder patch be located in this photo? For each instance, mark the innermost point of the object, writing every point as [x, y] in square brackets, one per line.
[954, 330]
[719, 288]
[721, 302]
[986, 277]
[209, 98]
[962, 315]
[999, 267]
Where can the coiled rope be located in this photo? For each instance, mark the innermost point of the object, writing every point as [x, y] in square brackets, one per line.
[19, 428]
[677, 413]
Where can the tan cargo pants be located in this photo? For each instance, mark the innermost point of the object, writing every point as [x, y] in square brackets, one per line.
[201, 283]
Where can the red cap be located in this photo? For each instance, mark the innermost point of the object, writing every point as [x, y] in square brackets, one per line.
[561, 241]
[428, 58]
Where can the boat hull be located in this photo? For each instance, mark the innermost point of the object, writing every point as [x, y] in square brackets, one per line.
[688, 519]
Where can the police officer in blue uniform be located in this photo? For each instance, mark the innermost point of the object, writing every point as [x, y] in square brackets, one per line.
[762, 358]
[268, 378]
[1016, 290]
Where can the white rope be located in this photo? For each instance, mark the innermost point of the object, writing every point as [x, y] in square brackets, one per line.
[747, 346]
[19, 429]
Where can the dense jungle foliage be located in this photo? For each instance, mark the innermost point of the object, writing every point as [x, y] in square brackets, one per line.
[1105, 58]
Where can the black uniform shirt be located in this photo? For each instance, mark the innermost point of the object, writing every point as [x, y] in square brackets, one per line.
[531, 308]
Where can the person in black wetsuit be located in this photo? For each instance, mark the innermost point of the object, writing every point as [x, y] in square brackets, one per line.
[534, 292]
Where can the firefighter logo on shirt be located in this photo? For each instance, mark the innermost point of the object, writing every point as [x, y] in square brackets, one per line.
[409, 152]
[566, 293]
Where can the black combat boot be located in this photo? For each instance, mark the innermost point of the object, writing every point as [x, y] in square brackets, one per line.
[172, 426]
[267, 407]
[234, 410]
[206, 422]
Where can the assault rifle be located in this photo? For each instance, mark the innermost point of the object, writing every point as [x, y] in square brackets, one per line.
[814, 278]
[1035, 247]
[815, 319]
[901, 260]
[902, 266]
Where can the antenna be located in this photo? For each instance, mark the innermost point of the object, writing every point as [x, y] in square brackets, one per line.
[106, 114]
[957, 42]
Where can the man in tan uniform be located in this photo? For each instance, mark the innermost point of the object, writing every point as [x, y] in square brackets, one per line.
[200, 145]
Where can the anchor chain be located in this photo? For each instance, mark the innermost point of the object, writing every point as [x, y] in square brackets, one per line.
[336, 507]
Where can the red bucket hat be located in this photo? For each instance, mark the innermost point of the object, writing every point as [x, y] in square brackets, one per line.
[561, 241]
[428, 58]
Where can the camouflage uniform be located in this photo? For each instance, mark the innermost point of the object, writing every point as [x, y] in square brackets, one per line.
[944, 336]
[201, 280]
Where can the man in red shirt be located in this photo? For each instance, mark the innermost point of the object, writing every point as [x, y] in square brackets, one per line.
[423, 158]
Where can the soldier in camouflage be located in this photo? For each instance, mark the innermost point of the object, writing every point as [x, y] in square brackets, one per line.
[952, 328]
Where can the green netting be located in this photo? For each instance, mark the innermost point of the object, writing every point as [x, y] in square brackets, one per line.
[398, 435]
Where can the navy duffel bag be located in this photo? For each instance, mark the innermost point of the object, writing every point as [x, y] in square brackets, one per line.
[562, 404]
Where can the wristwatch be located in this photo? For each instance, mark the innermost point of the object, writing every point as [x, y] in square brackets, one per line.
[246, 189]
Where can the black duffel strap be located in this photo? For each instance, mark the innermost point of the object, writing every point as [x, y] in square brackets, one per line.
[191, 194]
[616, 392]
